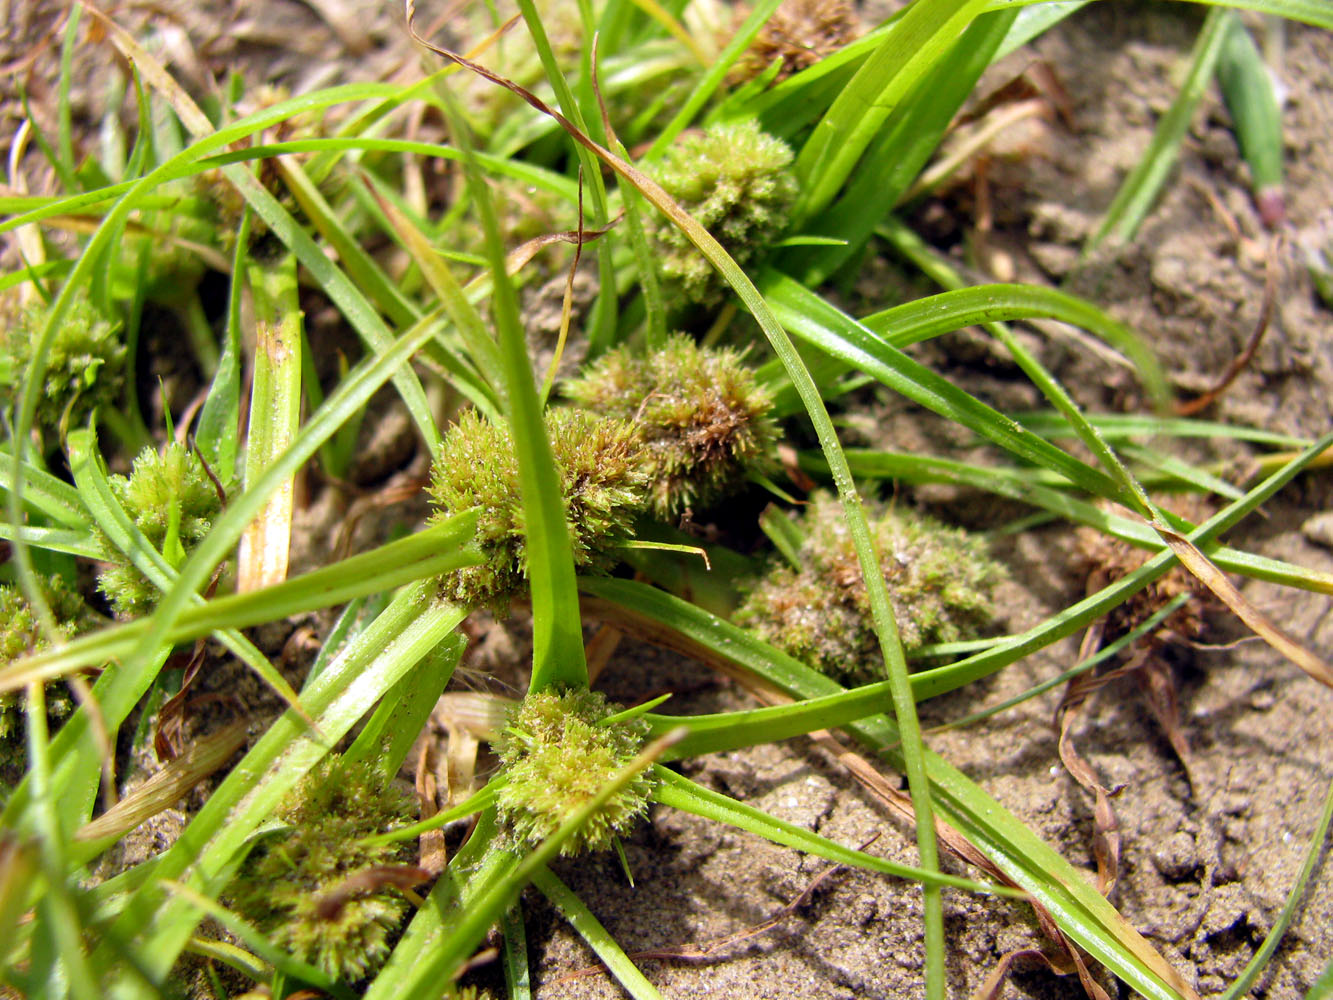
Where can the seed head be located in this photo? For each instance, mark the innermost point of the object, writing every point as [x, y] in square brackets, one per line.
[20, 635]
[84, 368]
[557, 756]
[701, 418]
[940, 581]
[600, 483]
[171, 499]
[800, 33]
[734, 180]
[286, 883]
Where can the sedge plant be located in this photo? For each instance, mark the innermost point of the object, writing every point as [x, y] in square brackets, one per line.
[537, 498]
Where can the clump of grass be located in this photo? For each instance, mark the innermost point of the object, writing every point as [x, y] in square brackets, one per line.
[559, 750]
[85, 367]
[940, 582]
[314, 894]
[700, 415]
[735, 181]
[601, 483]
[297, 887]
[171, 499]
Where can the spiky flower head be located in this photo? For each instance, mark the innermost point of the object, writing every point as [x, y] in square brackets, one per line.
[171, 499]
[700, 416]
[735, 181]
[558, 754]
[85, 367]
[306, 887]
[940, 582]
[20, 635]
[601, 488]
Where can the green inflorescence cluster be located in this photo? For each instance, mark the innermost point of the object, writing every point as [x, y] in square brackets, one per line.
[699, 415]
[85, 367]
[286, 884]
[20, 634]
[171, 499]
[558, 754]
[678, 427]
[601, 486]
[735, 181]
[940, 583]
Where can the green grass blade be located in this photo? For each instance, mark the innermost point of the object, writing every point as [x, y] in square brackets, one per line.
[32, 209]
[733, 730]
[712, 79]
[275, 415]
[1254, 968]
[218, 429]
[1182, 472]
[1117, 426]
[409, 629]
[518, 979]
[64, 127]
[1139, 190]
[558, 656]
[681, 793]
[1036, 20]
[56, 906]
[596, 937]
[476, 803]
[394, 726]
[1247, 90]
[73, 542]
[48, 495]
[476, 338]
[984, 304]
[785, 534]
[818, 323]
[904, 145]
[378, 287]
[918, 40]
[1316, 12]
[416, 968]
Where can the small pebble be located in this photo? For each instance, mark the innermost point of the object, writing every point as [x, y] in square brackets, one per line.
[1319, 529]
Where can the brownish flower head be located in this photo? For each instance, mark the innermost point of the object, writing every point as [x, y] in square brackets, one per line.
[800, 33]
[1106, 560]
